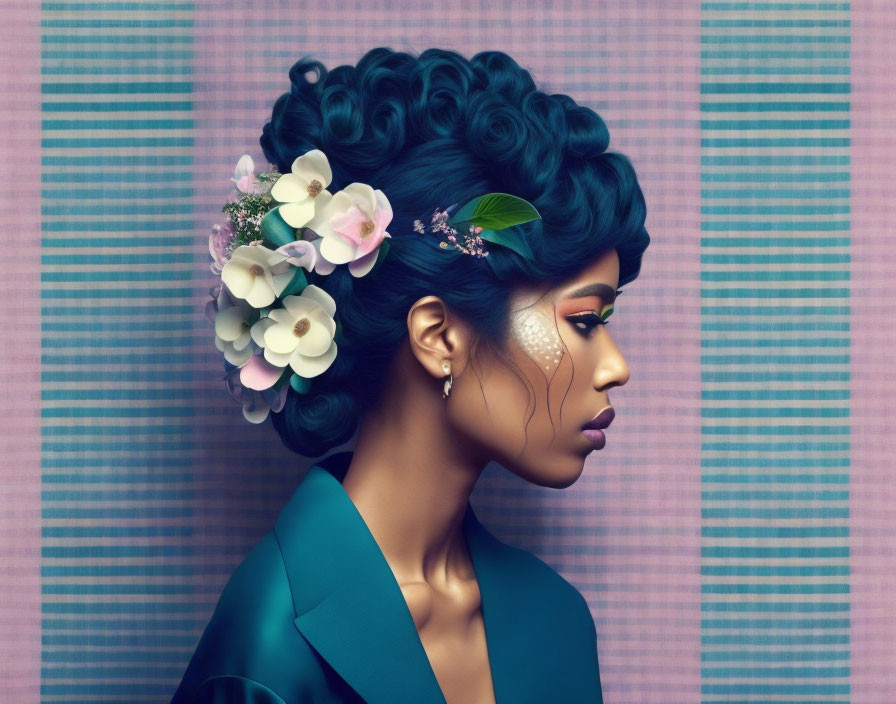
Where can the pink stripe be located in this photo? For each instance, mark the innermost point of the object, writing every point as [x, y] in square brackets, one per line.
[873, 491]
[20, 368]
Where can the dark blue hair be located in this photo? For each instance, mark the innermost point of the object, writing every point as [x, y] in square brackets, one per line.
[430, 131]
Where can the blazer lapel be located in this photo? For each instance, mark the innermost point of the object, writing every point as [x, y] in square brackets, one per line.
[352, 611]
[349, 605]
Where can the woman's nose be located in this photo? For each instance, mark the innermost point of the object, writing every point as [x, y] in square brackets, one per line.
[612, 369]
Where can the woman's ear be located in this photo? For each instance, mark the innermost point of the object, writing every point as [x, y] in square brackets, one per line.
[436, 336]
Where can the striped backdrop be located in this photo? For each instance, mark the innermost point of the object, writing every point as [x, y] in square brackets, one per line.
[735, 539]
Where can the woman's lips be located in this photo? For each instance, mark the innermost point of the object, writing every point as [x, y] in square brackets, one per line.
[602, 419]
[596, 437]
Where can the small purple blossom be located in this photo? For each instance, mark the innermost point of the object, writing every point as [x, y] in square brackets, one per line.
[220, 246]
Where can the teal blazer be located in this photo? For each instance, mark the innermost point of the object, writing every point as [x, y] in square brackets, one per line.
[315, 614]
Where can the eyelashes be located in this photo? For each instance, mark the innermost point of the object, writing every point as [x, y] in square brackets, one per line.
[585, 323]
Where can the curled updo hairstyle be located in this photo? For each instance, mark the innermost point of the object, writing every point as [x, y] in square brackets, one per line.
[430, 131]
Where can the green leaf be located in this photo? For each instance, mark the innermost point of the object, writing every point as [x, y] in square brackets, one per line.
[296, 284]
[513, 241]
[495, 211]
[300, 383]
[274, 230]
[380, 255]
[337, 336]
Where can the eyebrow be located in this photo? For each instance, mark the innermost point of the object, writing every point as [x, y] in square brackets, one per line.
[607, 293]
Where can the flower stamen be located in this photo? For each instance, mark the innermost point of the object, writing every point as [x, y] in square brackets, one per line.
[301, 327]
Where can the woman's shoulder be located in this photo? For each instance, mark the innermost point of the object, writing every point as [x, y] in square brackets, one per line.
[548, 630]
[250, 642]
[544, 589]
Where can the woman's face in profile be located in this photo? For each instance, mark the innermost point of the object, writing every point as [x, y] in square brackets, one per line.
[530, 412]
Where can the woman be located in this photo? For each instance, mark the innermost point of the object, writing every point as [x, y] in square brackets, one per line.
[444, 350]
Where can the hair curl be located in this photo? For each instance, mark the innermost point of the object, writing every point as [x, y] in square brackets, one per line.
[430, 131]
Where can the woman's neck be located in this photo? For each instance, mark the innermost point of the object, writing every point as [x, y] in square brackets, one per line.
[411, 482]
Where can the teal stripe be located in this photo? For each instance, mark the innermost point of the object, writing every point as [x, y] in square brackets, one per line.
[756, 193]
[776, 513]
[57, 242]
[774, 142]
[813, 23]
[87, 54]
[90, 461]
[115, 478]
[735, 69]
[736, 570]
[753, 688]
[775, 160]
[122, 274]
[136, 124]
[775, 588]
[116, 178]
[124, 293]
[114, 87]
[760, 377]
[119, 259]
[762, 462]
[158, 224]
[754, 124]
[773, 88]
[126, 39]
[775, 38]
[111, 513]
[117, 23]
[812, 553]
[114, 70]
[158, 208]
[805, 275]
[777, 342]
[811, 201]
[789, 624]
[121, 142]
[775, 106]
[777, 479]
[743, 359]
[786, 258]
[773, 226]
[774, 412]
[775, 672]
[93, 655]
[779, 639]
[777, 395]
[777, 242]
[775, 607]
[123, 160]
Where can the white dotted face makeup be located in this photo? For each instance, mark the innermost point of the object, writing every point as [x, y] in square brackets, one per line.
[536, 332]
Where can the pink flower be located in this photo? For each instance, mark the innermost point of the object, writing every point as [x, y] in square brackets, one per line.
[244, 176]
[256, 404]
[352, 225]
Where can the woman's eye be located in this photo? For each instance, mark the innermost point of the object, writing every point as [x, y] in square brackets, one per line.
[586, 322]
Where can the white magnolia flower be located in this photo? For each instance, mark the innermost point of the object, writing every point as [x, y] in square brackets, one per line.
[304, 191]
[257, 274]
[233, 332]
[352, 225]
[301, 333]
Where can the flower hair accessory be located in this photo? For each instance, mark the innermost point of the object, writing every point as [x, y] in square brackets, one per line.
[485, 218]
[277, 330]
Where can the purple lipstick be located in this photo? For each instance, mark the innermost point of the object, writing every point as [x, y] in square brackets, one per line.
[593, 429]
